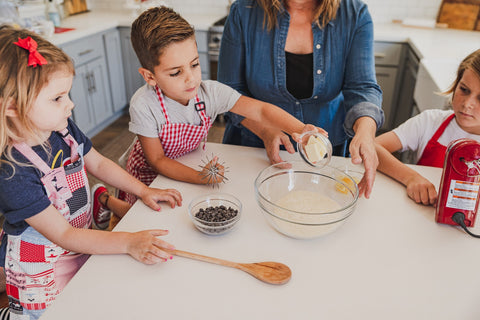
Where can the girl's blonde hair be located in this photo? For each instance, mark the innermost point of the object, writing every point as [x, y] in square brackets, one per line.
[472, 62]
[20, 84]
[324, 12]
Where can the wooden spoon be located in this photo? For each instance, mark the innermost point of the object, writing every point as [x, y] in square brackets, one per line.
[270, 272]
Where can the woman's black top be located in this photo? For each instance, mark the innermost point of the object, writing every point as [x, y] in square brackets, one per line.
[299, 74]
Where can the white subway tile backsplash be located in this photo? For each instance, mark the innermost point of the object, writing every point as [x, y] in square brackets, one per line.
[381, 10]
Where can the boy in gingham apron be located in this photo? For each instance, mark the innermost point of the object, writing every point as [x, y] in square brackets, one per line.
[177, 139]
[172, 113]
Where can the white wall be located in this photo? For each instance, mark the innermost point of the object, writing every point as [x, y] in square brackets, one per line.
[381, 10]
[387, 10]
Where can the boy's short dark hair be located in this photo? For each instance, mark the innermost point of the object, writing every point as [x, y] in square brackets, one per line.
[154, 30]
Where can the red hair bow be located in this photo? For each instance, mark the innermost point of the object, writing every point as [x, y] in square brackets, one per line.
[34, 58]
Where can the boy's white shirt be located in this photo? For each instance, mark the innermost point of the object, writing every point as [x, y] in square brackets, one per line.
[415, 133]
[147, 118]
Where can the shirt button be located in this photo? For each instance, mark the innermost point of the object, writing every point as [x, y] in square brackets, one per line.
[318, 46]
[297, 103]
[319, 71]
[315, 97]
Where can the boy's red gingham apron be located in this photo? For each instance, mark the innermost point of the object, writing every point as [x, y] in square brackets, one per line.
[177, 139]
[434, 153]
[37, 269]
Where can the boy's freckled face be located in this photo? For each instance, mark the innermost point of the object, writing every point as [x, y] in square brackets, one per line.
[178, 74]
[466, 102]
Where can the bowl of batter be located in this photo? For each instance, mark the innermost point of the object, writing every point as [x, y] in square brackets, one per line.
[305, 202]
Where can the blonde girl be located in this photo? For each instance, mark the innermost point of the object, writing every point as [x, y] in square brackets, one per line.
[44, 196]
[431, 131]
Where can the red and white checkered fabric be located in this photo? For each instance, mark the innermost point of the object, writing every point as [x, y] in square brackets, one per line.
[177, 139]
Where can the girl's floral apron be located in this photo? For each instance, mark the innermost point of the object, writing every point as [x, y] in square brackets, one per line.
[36, 269]
[177, 139]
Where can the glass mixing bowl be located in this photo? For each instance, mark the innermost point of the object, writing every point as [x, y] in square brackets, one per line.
[305, 202]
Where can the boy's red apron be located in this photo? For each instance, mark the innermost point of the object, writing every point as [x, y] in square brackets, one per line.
[177, 139]
[434, 153]
[37, 269]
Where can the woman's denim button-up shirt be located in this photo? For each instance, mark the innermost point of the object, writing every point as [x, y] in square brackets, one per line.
[252, 60]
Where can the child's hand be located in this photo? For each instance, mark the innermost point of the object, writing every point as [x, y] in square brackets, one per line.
[421, 190]
[145, 247]
[152, 196]
[213, 172]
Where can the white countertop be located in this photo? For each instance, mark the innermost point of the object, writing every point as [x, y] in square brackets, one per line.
[390, 260]
[440, 50]
[92, 22]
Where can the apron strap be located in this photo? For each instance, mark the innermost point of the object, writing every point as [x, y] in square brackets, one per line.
[72, 143]
[162, 103]
[34, 158]
[31, 155]
[199, 106]
[442, 127]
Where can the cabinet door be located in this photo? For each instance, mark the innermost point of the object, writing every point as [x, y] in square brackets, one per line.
[82, 115]
[133, 79]
[99, 91]
[202, 45]
[115, 69]
[386, 78]
[405, 97]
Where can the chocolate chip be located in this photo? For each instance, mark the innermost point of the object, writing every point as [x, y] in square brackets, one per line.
[217, 216]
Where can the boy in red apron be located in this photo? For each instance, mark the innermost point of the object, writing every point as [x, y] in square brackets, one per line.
[431, 131]
[172, 113]
[44, 192]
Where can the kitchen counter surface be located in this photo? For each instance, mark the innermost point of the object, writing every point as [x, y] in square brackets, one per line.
[390, 260]
[440, 50]
[89, 23]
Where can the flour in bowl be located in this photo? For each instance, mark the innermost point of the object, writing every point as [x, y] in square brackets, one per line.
[306, 225]
[308, 201]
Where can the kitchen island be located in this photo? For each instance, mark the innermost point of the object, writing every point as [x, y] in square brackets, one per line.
[390, 260]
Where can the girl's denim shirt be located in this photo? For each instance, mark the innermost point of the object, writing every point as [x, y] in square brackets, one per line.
[252, 60]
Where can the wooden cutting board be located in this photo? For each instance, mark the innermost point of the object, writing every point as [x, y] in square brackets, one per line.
[75, 6]
[460, 14]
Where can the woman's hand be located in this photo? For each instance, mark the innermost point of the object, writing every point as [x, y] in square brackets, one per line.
[152, 196]
[420, 190]
[362, 149]
[145, 247]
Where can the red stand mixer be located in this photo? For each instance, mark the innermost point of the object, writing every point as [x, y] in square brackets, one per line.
[458, 195]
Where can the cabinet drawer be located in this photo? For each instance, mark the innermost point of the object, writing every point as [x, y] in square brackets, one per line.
[85, 50]
[388, 53]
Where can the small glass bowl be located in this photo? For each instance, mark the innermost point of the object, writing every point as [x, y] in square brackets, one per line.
[214, 200]
[348, 179]
[323, 143]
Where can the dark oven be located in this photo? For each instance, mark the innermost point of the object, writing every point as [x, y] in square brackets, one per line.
[214, 40]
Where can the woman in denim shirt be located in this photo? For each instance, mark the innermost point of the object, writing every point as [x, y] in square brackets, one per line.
[315, 60]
